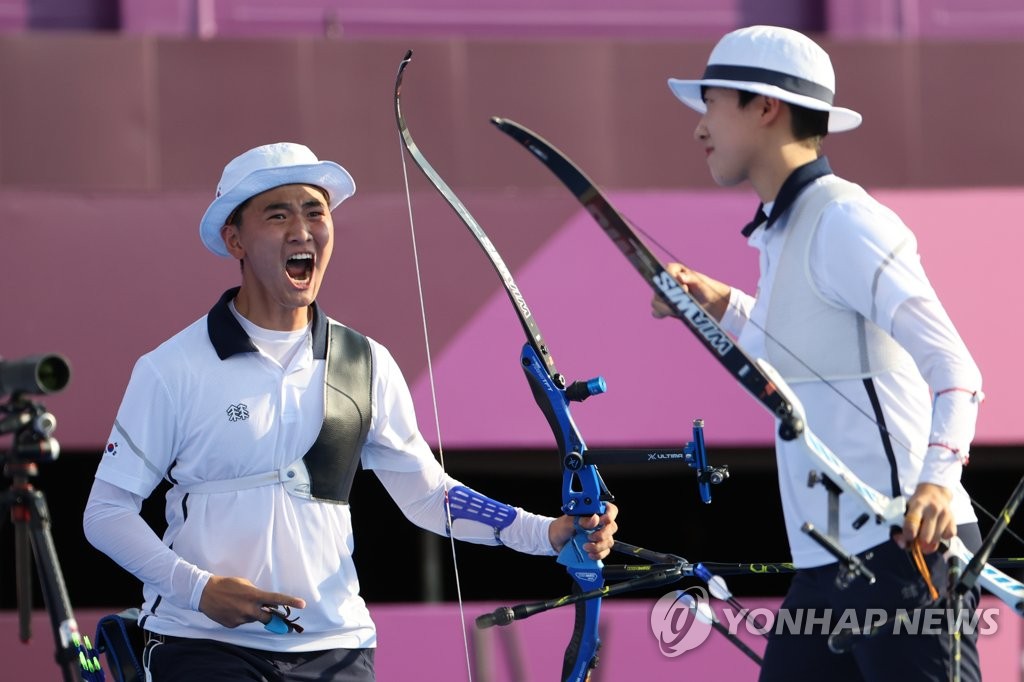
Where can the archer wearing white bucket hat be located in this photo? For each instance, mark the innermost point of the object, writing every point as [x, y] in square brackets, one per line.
[775, 62]
[264, 168]
[259, 414]
[846, 314]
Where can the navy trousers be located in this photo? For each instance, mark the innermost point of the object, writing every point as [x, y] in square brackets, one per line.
[915, 653]
[188, 660]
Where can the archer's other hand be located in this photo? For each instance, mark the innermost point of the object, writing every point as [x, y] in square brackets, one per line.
[599, 542]
[236, 601]
[710, 293]
[929, 518]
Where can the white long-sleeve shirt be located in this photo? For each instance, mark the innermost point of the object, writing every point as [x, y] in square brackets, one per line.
[192, 416]
[929, 408]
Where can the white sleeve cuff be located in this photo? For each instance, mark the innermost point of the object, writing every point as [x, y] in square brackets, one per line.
[191, 580]
[529, 534]
[943, 466]
[737, 312]
[112, 524]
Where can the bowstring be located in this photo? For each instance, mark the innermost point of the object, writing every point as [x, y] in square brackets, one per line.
[437, 417]
[977, 505]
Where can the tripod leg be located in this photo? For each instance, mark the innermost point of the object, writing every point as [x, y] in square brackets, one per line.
[51, 581]
[23, 576]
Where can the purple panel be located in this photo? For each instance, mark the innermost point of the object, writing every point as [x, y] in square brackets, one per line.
[73, 14]
[803, 15]
[165, 17]
[864, 19]
[893, 19]
[420, 18]
[13, 16]
[978, 19]
[533, 18]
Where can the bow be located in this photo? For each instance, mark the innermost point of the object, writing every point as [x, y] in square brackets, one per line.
[757, 376]
[583, 491]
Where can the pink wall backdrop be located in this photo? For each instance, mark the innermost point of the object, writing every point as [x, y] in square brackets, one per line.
[594, 311]
[426, 642]
[110, 147]
[103, 280]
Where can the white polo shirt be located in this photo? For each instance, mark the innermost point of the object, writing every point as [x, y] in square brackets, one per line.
[207, 405]
[851, 266]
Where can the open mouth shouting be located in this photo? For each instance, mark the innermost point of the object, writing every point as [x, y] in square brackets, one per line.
[300, 267]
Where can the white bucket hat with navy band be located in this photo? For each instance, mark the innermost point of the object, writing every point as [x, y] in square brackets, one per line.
[262, 169]
[775, 62]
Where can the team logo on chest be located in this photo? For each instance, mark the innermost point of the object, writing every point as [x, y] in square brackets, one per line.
[237, 413]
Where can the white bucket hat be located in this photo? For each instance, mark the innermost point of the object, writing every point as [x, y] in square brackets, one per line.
[264, 168]
[775, 62]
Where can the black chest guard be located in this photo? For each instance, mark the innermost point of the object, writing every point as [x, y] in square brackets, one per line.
[333, 458]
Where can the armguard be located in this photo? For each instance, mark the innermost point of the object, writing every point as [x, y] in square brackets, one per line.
[468, 505]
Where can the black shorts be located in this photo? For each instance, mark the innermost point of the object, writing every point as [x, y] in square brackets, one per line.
[915, 653]
[178, 659]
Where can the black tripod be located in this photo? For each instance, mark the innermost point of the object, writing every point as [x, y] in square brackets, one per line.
[32, 427]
